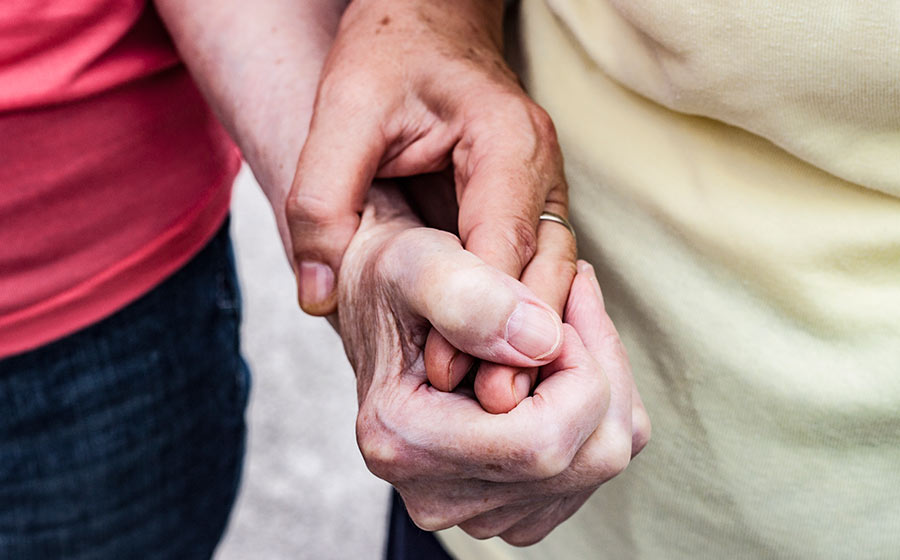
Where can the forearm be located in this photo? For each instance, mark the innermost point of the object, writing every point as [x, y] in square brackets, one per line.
[258, 68]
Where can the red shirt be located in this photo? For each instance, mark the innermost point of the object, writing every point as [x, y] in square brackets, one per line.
[113, 171]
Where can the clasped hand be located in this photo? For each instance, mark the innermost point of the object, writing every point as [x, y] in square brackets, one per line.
[517, 474]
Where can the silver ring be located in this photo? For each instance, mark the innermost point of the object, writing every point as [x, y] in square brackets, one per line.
[551, 217]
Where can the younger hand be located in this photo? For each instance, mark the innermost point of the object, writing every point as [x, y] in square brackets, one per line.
[412, 87]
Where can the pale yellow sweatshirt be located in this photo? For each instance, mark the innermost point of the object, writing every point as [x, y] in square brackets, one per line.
[735, 174]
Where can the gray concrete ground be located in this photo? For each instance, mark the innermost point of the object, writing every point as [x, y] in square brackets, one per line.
[306, 492]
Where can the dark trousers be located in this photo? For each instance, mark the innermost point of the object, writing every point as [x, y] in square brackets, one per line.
[406, 541]
[125, 440]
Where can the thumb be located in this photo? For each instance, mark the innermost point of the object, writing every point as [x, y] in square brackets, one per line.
[334, 172]
[477, 308]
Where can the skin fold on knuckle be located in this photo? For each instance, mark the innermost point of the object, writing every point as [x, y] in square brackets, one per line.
[547, 164]
[612, 456]
[535, 527]
[378, 452]
[551, 273]
[391, 258]
[406, 262]
[512, 238]
[525, 537]
[531, 154]
[494, 522]
[605, 454]
[483, 527]
[522, 237]
[428, 514]
[641, 430]
[479, 532]
[384, 453]
[307, 211]
[535, 134]
[558, 196]
[561, 258]
[545, 130]
[551, 449]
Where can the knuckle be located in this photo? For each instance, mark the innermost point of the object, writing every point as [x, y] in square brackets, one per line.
[543, 126]
[530, 125]
[617, 348]
[512, 240]
[293, 208]
[427, 274]
[604, 459]
[556, 263]
[539, 127]
[427, 518]
[566, 267]
[548, 463]
[478, 529]
[641, 431]
[618, 454]
[522, 236]
[497, 521]
[523, 537]
[385, 262]
[340, 89]
[332, 88]
[380, 452]
[552, 451]
[380, 457]
[395, 252]
[309, 208]
[516, 237]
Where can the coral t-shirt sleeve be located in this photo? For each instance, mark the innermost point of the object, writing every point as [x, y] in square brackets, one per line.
[113, 170]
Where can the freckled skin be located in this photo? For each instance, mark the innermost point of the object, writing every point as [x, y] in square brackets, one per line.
[445, 102]
[517, 474]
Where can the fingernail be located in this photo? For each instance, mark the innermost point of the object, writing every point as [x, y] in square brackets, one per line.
[584, 267]
[596, 284]
[459, 367]
[316, 286]
[521, 386]
[587, 268]
[533, 331]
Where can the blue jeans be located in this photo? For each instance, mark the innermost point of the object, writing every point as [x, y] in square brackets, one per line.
[125, 440]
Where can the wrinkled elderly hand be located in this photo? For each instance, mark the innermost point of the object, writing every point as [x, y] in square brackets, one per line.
[518, 474]
[549, 274]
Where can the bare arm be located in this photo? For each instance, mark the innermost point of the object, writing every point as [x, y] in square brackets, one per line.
[453, 462]
[258, 67]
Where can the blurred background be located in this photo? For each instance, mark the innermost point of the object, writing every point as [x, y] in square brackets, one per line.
[306, 492]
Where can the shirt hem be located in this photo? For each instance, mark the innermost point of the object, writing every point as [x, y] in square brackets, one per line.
[116, 287]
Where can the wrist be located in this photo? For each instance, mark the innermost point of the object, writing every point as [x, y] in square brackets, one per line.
[478, 20]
